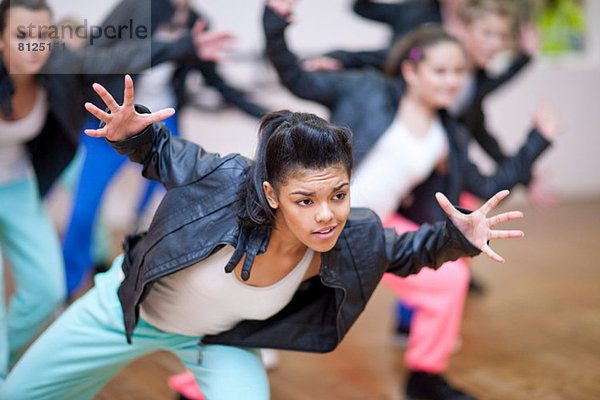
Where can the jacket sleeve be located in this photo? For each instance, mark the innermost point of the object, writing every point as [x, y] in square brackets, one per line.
[173, 161]
[487, 84]
[360, 59]
[430, 246]
[512, 171]
[123, 57]
[474, 120]
[377, 11]
[322, 87]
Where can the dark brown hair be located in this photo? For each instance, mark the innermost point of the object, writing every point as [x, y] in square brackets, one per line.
[6, 5]
[287, 142]
[413, 46]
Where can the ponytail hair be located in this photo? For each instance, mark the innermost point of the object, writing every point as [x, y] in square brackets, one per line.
[289, 142]
[413, 46]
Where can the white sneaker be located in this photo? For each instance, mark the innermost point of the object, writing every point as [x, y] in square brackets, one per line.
[270, 358]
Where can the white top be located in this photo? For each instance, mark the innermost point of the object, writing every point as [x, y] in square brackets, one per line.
[398, 162]
[203, 299]
[14, 159]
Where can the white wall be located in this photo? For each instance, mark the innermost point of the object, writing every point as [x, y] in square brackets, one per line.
[93, 11]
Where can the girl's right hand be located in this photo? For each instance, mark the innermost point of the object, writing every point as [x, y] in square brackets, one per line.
[283, 8]
[322, 63]
[530, 39]
[547, 121]
[123, 121]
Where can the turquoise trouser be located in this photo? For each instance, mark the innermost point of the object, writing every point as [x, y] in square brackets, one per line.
[31, 246]
[80, 352]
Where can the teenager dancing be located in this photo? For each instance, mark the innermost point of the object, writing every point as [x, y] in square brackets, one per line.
[240, 254]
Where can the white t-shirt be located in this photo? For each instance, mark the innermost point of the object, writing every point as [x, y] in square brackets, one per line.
[203, 299]
[398, 162]
[14, 159]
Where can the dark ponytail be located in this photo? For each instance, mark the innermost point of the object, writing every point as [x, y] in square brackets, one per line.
[289, 142]
[413, 45]
[6, 5]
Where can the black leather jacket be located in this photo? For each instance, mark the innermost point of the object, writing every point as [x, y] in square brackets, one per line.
[367, 102]
[198, 216]
[401, 16]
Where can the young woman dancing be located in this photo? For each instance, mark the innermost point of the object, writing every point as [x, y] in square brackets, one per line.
[239, 255]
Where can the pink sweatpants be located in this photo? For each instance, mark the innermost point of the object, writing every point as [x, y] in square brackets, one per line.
[438, 298]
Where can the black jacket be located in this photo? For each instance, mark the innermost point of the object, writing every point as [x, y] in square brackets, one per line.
[401, 16]
[367, 102]
[473, 118]
[198, 216]
[53, 149]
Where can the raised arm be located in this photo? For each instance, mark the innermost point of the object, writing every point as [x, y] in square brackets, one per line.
[529, 45]
[516, 169]
[382, 12]
[133, 132]
[461, 235]
[487, 84]
[360, 59]
[322, 87]
[474, 119]
[136, 56]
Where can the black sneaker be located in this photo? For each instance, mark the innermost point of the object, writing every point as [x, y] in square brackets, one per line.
[424, 386]
[400, 336]
[476, 287]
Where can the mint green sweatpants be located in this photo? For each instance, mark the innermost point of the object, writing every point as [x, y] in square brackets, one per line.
[80, 352]
[30, 243]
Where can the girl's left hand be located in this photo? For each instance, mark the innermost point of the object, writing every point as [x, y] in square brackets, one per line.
[529, 39]
[477, 226]
[547, 121]
[123, 121]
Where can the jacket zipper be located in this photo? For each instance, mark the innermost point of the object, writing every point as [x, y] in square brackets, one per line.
[338, 317]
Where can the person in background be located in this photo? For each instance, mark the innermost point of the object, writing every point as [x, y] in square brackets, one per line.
[40, 121]
[169, 22]
[485, 28]
[407, 147]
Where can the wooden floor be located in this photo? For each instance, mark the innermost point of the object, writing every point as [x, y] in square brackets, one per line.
[534, 334]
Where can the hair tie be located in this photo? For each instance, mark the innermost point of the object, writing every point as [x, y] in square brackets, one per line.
[414, 54]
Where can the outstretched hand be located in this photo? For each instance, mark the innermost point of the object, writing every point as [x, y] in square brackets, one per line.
[547, 121]
[210, 45]
[477, 226]
[530, 39]
[322, 63]
[123, 121]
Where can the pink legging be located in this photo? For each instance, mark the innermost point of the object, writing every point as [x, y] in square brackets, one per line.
[438, 298]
